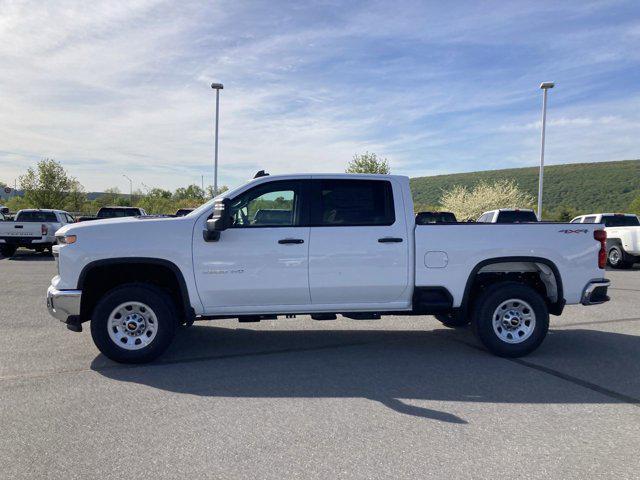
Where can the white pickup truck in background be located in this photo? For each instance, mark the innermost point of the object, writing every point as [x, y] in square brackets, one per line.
[623, 236]
[320, 245]
[33, 229]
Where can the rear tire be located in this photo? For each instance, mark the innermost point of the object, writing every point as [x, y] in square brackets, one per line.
[616, 258]
[134, 323]
[510, 319]
[7, 250]
[453, 320]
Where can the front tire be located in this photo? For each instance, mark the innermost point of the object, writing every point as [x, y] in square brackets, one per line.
[134, 323]
[510, 319]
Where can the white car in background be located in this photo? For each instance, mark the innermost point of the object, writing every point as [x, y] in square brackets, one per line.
[623, 236]
[33, 228]
[508, 215]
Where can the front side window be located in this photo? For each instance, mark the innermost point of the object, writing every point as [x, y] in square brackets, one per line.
[275, 204]
[589, 220]
[355, 203]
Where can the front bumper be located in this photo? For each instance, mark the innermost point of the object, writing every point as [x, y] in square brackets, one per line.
[596, 292]
[64, 304]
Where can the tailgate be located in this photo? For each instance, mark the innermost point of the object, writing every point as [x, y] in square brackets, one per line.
[20, 229]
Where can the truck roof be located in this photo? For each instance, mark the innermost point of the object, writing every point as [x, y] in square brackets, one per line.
[41, 210]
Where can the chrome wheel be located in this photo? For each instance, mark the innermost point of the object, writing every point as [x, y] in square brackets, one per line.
[514, 321]
[614, 256]
[132, 325]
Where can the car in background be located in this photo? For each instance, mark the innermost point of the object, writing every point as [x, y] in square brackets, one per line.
[427, 218]
[115, 212]
[181, 212]
[508, 215]
[623, 236]
[34, 229]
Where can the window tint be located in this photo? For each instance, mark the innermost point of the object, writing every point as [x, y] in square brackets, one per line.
[36, 216]
[591, 219]
[355, 203]
[275, 204]
[512, 216]
[620, 221]
[117, 212]
[426, 218]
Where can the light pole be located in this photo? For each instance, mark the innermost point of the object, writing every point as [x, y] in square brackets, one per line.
[217, 87]
[545, 86]
[130, 189]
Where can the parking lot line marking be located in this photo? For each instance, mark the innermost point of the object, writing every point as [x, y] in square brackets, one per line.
[566, 377]
[625, 289]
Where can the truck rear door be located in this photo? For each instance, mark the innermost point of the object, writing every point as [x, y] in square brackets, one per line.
[358, 250]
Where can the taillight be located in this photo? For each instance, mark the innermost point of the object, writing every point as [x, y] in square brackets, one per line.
[601, 236]
[44, 230]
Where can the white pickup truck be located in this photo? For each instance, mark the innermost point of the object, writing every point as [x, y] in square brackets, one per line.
[320, 245]
[33, 228]
[623, 236]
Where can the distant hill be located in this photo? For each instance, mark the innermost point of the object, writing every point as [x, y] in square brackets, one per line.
[585, 187]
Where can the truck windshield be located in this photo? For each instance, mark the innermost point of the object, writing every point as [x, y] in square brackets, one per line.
[517, 216]
[36, 216]
[620, 221]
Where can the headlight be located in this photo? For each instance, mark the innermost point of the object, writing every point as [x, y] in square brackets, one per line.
[66, 239]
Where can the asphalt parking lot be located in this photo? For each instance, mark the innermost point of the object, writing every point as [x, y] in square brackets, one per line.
[400, 397]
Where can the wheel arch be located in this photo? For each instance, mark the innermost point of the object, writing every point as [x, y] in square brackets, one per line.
[157, 271]
[551, 280]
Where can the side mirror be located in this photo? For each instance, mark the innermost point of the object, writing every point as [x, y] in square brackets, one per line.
[219, 221]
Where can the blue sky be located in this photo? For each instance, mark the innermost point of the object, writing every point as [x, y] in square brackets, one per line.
[436, 87]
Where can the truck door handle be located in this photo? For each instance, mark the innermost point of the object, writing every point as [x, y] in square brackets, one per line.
[390, 240]
[18, 226]
[286, 241]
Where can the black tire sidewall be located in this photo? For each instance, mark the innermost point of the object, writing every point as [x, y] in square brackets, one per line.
[486, 305]
[161, 304]
[620, 257]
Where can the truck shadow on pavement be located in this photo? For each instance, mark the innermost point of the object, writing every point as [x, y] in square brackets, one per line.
[403, 370]
[29, 257]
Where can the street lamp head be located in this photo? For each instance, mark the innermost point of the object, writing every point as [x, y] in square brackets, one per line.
[546, 85]
[217, 86]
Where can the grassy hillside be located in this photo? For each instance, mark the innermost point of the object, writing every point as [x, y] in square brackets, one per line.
[585, 187]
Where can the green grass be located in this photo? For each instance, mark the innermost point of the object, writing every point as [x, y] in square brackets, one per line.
[583, 187]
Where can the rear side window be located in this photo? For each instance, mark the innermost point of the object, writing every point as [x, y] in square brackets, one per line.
[620, 221]
[354, 203]
[517, 217]
[36, 216]
[591, 219]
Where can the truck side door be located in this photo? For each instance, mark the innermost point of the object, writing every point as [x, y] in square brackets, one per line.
[359, 242]
[262, 260]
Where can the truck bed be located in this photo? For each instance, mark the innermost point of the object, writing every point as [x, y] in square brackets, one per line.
[445, 253]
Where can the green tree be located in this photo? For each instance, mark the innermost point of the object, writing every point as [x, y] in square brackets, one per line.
[564, 213]
[634, 206]
[211, 193]
[368, 163]
[192, 192]
[48, 185]
[76, 198]
[470, 204]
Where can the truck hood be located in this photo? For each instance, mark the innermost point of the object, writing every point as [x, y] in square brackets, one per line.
[118, 226]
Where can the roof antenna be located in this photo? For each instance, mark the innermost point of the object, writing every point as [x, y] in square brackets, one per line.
[260, 173]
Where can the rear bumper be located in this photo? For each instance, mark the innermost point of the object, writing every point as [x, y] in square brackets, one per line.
[64, 304]
[595, 292]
